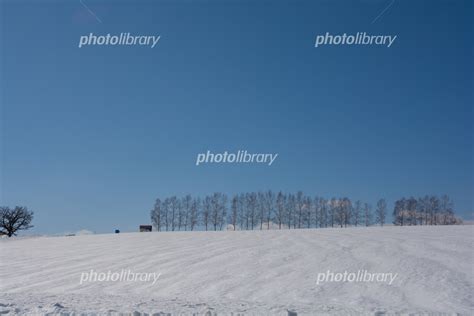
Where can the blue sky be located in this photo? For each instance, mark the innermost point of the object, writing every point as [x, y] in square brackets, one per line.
[91, 136]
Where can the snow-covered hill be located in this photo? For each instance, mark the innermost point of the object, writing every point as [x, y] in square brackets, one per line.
[249, 272]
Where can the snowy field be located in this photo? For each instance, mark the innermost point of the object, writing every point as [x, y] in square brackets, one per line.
[246, 273]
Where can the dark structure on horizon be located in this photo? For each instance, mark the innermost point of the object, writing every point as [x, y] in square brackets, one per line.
[145, 228]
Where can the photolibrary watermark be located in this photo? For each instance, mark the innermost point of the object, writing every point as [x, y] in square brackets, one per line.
[123, 39]
[361, 276]
[360, 38]
[120, 276]
[241, 156]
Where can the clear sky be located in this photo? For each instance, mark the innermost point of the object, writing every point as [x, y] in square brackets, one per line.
[91, 136]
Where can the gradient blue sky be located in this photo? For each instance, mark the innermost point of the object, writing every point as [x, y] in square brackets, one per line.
[91, 136]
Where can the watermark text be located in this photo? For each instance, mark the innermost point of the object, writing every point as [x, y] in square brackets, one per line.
[118, 276]
[359, 276]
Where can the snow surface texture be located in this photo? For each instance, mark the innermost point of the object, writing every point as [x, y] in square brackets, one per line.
[243, 273]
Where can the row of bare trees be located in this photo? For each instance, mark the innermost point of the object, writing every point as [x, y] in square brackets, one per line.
[264, 210]
[427, 210]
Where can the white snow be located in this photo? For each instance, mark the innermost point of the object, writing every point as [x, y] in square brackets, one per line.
[247, 272]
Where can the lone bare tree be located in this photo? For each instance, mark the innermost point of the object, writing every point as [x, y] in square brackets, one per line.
[280, 209]
[234, 211]
[367, 214]
[13, 220]
[381, 212]
[155, 215]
